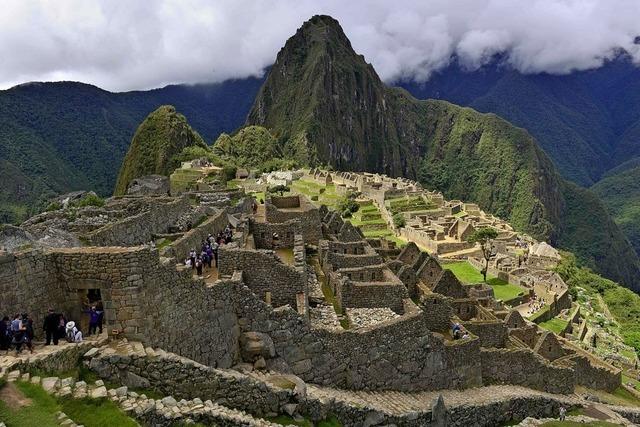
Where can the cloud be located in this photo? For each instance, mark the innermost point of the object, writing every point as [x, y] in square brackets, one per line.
[144, 44]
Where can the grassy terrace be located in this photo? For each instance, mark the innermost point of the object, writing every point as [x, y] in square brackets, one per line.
[35, 407]
[408, 204]
[326, 195]
[468, 275]
[554, 325]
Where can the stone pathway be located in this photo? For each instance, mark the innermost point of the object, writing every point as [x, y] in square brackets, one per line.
[41, 352]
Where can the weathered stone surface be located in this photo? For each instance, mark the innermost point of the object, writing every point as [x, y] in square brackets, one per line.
[99, 392]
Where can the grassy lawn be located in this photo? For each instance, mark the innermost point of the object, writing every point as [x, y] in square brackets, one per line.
[42, 408]
[554, 325]
[572, 424]
[468, 274]
[311, 188]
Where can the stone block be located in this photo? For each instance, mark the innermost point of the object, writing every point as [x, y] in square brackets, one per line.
[49, 384]
[99, 392]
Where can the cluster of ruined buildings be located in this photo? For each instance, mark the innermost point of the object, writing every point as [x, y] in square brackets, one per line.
[298, 290]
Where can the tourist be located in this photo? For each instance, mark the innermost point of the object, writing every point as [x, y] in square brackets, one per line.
[5, 334]
[17, 333]
[204, 258]
[199, 266]
[62, 322]
[100, 310]
[72, 333]
[214, 249]
[94, 319]
[192, 257]
[563, 413]
[50, 327]
[29, 333]
[209, 255]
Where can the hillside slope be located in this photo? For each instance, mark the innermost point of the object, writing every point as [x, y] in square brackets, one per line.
[321, 91]
[586, 121]
[620, 191]
[160, 137]
[59, 137]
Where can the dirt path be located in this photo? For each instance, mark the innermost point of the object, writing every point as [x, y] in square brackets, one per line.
[13, 398]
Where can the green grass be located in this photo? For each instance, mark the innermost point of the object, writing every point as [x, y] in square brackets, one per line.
[42, 410]
[554, 325]
[96, 413]
[330, 421]
[626, 395]
[311, 188]
[575, 424]
[40, 413]
[468, 274]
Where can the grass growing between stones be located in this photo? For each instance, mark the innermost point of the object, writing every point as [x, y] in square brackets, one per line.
[468, 275]
[554, 325]
[284, 420]
[38, 408]
[96, 413]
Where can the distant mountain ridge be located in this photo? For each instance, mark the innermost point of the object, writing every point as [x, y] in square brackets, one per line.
[588, 121]
[320, 91]
[64, 136]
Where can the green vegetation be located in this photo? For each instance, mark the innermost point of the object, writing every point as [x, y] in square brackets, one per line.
[42, 409]
[408, 204]
[326, 194]
[621, 193]
[280, 189]
[554, 325]
[284, 420]
[90, 199]
[467, 274]
[398, 220]
[623, 304]
[485, 237]
[575, 424]
[157, 141]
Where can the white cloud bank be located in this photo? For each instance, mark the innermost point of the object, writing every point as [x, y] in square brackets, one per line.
[124, 45]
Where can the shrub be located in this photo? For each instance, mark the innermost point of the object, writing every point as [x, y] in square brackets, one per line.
[229, 172]
[348, 204]
[347, 213]
[90, 199]
[53, 206]
[399, 220]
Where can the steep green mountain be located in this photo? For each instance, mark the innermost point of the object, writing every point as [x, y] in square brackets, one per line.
[620, 191]
[59, 137]
[321, 92]
[159, 138]
[587, 121]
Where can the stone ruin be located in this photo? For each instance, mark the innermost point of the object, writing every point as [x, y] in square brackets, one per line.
[299, 297]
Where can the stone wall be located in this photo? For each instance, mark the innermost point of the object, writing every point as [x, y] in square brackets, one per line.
[185, 379]
[263, 234]
[590, 374]
[305, 212]
[352, 294]
[179, 249]
[190, 318]
[141, 228]
[28, 284]
[264, 272]
[438, 312]
[492, 333]
[400, 354]
[525, 368]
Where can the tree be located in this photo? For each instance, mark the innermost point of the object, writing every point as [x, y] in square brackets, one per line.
[399, 220]
[485, 237]
[281, 189]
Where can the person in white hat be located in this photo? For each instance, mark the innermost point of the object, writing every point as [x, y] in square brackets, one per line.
[73, 334]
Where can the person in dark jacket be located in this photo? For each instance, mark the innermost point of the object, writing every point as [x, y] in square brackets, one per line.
[5, 333]
[94, 319]
[50, 327]
[29, 333]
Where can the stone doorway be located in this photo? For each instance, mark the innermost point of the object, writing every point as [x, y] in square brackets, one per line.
[86, 298]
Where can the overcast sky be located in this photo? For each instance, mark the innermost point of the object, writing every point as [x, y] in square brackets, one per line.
[124, 45]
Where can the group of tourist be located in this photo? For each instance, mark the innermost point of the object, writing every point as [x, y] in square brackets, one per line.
[208, 256]
[459, 332]
[19, 332]
[535, 304]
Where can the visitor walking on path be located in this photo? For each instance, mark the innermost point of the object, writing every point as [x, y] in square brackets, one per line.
[5, 334]
[199, 267]
[29, 333]
[50, 327]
